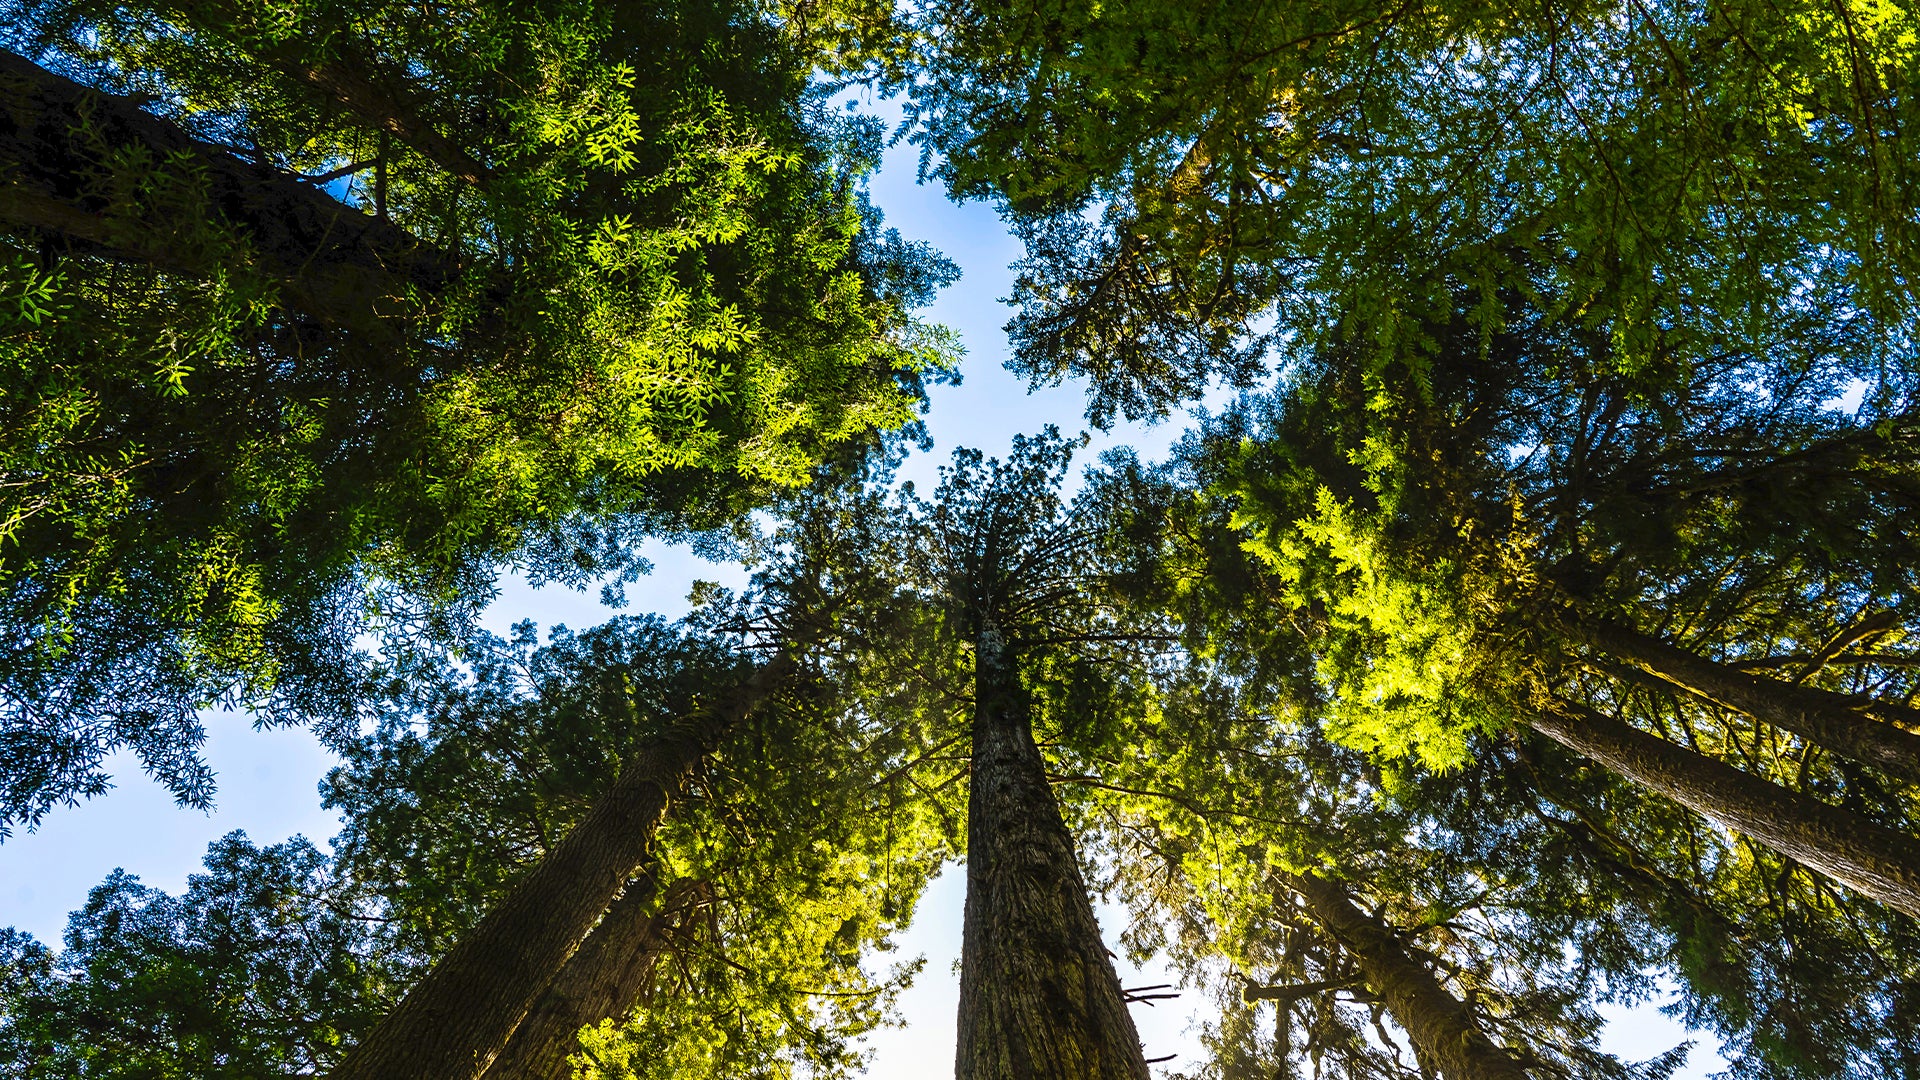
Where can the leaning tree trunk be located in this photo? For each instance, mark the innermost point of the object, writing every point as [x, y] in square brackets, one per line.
[605, 979]
[456, 1021]
[1672, 901]
[1863, 731]
[1445, 1036]
[1039, 998]
[334, 263]
[1879, 862]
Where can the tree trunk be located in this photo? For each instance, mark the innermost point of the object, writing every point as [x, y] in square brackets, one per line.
[1039, 999]
[335, 264]
[605, 979]
[1877, 861]
[1446, 1038]
[454, 1023]
[1835, 721]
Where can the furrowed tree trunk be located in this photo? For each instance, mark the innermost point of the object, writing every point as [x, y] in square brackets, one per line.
[456, 1021]
[335, 264]
[1877, 861]
[1039, 998]
[1445, 1036]
[606, 978]
[1865, 732]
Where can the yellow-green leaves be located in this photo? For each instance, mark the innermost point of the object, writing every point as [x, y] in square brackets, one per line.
[28, 293]
[1397, 645]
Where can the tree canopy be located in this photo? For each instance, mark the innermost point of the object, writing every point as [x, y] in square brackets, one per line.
[316, 319]
[1532, 634]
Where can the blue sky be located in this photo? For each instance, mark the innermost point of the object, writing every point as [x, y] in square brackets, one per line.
[268, 779]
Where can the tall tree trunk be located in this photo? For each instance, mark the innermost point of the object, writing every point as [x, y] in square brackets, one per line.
[1039, 998]
[454, 1023]
[605, 979]
[1446, 1038]
[1863, 731]
[1878, 861]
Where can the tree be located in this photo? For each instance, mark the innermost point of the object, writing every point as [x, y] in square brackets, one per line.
[461, 1015]
[977, 626]
[1198, 183]
[1278, 869]
[315, 321]
[1243, 795]
[270, 964]
[472, 802]
[1439, 593]
[1512, 321]
[1038, 993]
[1797, 980]
[738, 946]
[1443, 1030]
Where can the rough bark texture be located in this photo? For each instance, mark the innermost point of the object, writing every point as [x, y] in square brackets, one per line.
[1877, 861]
[1445, 1036]
[1039, 999]
[334, 263]
[1864, 732]
[606, 978]
[456, 1021]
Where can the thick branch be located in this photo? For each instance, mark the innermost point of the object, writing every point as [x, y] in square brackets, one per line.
[1877, 623]
[1288, 993]
[348, 77]
[391, 110]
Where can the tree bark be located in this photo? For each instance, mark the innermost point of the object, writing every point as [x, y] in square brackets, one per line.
[1879, 862]
[456, 1021]
[1445, 1036]
[605, 979]
[1039, 998]
[1863, 731]
[334, 264]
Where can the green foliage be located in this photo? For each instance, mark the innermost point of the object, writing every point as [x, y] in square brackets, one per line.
[1543, 883]
[998, 551]
[1197, 183]
[812, 848]
[1394, 681]
[631, 285]
[1559, 303]
[269, 964]
[1213, 803]
[1798, 979]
